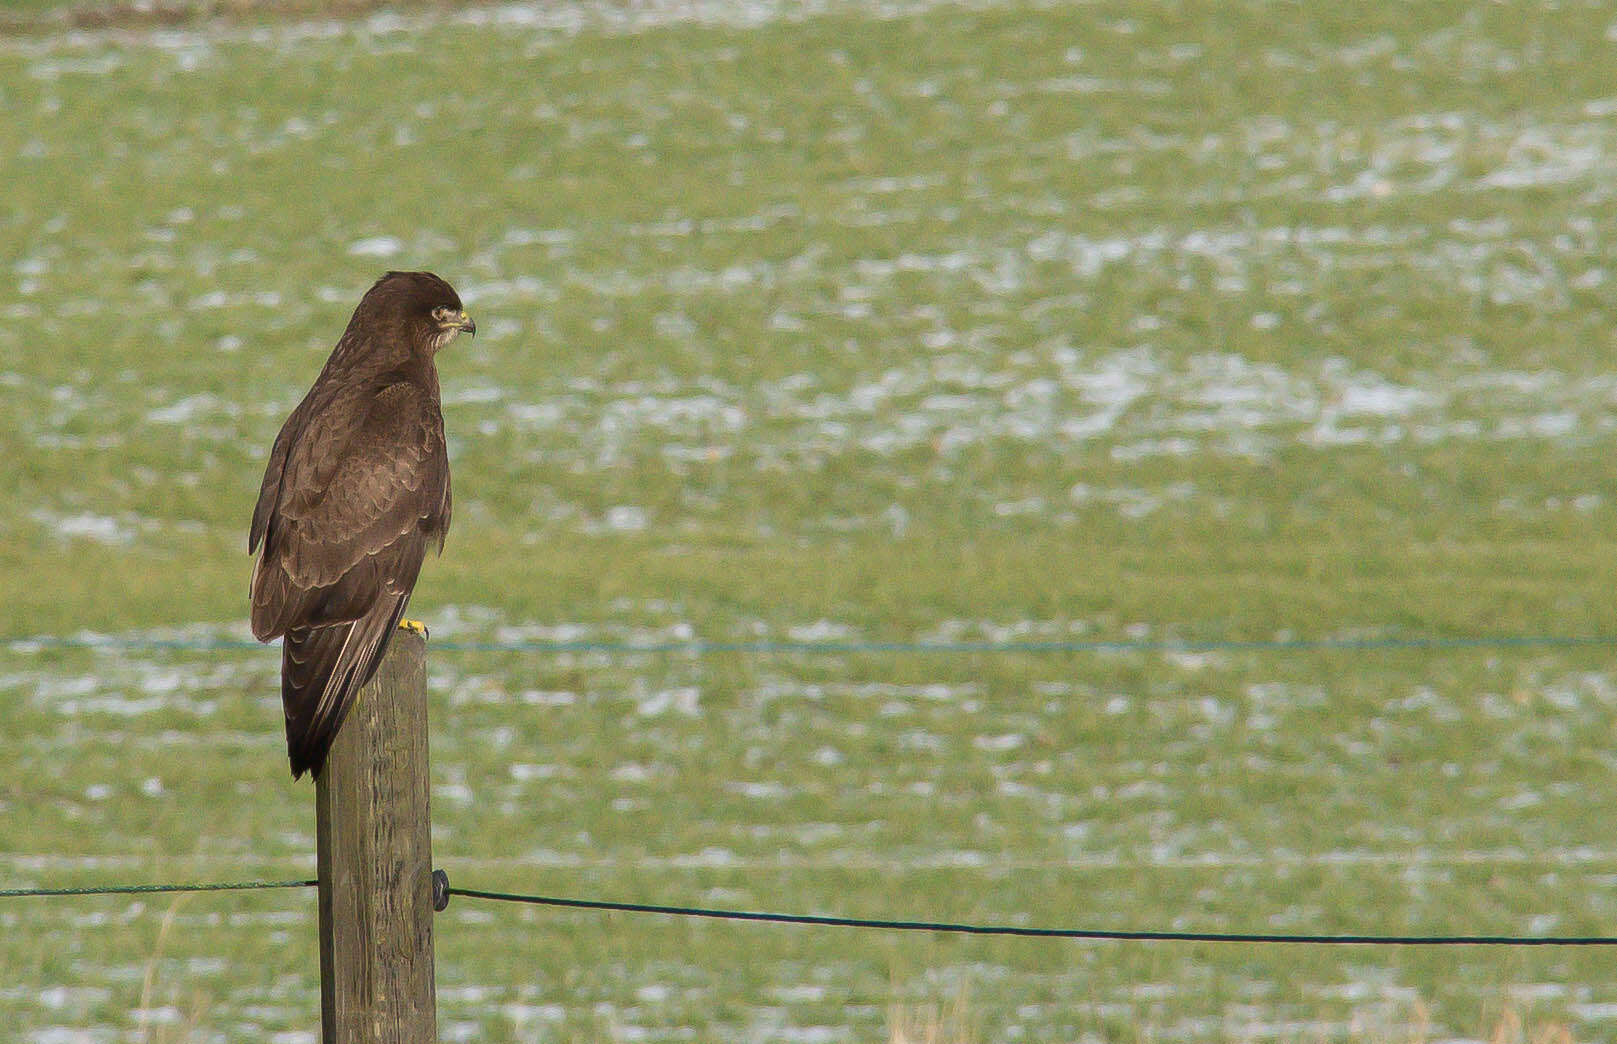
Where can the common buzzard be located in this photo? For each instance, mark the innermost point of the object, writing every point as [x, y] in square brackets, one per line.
[356, 489]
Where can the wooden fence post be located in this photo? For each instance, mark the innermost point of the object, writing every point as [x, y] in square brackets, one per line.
[375, 851]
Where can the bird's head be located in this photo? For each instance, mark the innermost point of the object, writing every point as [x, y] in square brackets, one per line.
[426, 307]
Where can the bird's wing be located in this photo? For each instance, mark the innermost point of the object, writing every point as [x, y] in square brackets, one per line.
[360, 485]
[339, 406]
[362, 491]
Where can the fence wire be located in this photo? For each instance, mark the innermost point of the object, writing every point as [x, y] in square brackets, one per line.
[874, 923]
[146, 889]
[1089, 934]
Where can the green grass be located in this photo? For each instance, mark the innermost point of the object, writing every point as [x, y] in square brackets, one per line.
[44, 16]
[1097, 322]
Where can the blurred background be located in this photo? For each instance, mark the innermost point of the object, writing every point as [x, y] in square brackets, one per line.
[1108, 465]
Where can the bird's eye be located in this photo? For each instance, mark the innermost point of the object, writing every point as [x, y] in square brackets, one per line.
[440, 313]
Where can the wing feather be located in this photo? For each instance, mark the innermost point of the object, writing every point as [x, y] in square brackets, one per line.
[356, 488]
[322, 671]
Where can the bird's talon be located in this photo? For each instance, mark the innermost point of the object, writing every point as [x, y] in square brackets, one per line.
[413, 625]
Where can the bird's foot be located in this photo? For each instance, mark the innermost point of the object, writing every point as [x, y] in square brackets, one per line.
[413, 625]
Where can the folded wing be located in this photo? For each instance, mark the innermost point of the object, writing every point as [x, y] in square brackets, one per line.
[356, 489]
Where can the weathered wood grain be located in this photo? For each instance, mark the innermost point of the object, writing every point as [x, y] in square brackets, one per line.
[375, 853]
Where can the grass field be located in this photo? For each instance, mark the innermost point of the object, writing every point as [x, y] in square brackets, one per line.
[992, 321]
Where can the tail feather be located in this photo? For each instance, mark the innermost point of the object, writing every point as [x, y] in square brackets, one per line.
[322, 671]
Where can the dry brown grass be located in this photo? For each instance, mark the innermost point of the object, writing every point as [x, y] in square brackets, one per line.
[146, 1032]
[931, 1023]
[1511, 1028]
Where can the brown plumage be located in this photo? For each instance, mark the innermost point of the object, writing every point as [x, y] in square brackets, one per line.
[356, 489]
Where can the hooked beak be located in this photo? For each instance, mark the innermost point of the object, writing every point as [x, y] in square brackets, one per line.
[462, 321]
